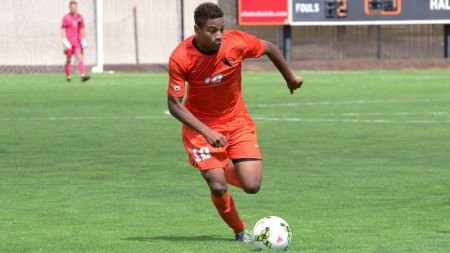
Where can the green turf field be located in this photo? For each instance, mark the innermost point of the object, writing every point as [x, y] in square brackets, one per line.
[355, 162]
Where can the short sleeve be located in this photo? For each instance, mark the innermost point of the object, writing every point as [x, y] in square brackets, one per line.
[253, 47]
[177, 78]
[64, 23]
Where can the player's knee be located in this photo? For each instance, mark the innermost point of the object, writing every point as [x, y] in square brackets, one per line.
[253, 187]
[218, 189]
[80, 58]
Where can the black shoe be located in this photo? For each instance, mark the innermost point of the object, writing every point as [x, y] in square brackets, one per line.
[85, 78]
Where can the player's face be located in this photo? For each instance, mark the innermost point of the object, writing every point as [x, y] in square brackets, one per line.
[73, 8]
[209, 37]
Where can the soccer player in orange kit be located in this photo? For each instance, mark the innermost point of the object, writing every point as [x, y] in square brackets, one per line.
[216, 125]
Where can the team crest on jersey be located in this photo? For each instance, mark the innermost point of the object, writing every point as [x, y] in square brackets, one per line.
[176, 88]
[215, 79]
[229, 61]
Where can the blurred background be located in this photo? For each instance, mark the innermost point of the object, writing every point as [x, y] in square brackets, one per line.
[140, 34]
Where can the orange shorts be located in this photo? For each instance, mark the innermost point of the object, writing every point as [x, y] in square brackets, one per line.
[242, 142]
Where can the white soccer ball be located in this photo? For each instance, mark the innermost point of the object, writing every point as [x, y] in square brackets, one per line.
[272, 232]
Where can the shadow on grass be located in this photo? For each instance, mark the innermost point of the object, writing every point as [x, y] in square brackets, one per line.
[180, 238]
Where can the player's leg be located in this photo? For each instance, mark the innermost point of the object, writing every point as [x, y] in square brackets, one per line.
[81, 66]
[215, 178]
[224, 203]
[211, 162]
[244, 151]
[67, 65]
[231, 176]
[249, 173]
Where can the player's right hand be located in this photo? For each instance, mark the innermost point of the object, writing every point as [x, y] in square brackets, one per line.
[295, 83]
[66, 43]
[215, 139]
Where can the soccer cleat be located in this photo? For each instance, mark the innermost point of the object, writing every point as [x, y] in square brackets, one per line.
[85, 78]
[244, 236]
[68, 79]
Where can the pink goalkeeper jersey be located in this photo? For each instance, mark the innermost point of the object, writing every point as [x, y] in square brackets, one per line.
[72, 25]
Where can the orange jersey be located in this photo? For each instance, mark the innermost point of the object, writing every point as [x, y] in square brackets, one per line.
[214, 80]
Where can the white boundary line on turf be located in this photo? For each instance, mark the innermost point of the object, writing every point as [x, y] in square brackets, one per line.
[255, 117]
[357, 102]
[377, 114]
[369, 121]
[66, 118]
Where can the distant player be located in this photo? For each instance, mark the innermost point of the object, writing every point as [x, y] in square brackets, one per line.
[217, 128]
[72, 32]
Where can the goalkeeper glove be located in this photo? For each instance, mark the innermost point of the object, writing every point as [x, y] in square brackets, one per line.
[66, 43]
[83, 43]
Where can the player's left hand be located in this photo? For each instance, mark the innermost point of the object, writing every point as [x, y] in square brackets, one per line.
[214, 138]
[295, 83]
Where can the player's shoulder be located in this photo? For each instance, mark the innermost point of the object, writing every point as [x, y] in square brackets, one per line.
[179, 58]
[235, 35]
[236, 38]
[183, 50]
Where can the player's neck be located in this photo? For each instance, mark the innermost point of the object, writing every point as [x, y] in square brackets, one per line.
[201, 50]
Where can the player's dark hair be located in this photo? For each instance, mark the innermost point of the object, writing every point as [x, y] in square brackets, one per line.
[206, 11]
[73, 2]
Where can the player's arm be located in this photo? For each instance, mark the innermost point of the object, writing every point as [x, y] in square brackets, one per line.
[81, 33]
[83, 39]
[293, 81]
[63, 33]
[177, 110]
[65, 41]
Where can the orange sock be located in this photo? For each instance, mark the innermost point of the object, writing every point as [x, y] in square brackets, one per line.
[230, 176]
[227, 210]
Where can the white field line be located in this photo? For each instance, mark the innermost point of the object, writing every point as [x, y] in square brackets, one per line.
[368, 121]
[412, 78]
[255, 117]
[353, 102]
[382, 76]
[350, 114]
[66, 118]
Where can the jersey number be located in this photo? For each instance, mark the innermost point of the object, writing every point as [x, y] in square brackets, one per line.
[201, 154]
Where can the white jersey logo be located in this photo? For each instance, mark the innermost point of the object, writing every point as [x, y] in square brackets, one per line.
[215, 79]
[176, 88]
